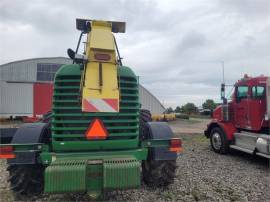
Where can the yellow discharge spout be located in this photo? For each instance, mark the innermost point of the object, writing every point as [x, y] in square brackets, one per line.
[100, 90]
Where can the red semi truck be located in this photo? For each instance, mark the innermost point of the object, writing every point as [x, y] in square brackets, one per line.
[243, 123]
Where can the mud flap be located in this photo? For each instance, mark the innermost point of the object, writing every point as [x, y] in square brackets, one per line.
[29, 133]
[160, 131]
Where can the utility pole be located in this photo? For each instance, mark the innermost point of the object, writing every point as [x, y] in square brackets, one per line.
[223, 74]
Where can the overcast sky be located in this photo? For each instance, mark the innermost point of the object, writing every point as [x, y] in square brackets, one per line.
[176, 47]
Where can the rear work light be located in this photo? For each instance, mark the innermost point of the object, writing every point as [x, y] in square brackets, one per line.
[6, 152]
[176, 145]
[102, 56]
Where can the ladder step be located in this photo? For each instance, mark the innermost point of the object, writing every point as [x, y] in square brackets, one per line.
[241, 149]
[246, 140]
[263, 155]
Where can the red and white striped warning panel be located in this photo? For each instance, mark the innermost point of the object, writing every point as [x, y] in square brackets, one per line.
[100, 105]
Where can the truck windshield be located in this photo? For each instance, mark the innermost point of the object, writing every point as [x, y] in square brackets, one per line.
[258, 91]
[242, 92]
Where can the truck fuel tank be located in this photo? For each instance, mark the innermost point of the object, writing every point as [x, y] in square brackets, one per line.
[263, 145]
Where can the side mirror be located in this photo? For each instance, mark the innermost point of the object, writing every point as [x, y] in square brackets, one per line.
[77, 58]
[71, 53]
[222, 93]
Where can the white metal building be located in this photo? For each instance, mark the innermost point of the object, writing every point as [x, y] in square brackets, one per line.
[150, 102]
[17, 79]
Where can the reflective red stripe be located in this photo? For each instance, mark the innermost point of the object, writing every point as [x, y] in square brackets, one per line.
[113, 103]
[87, 107]
[100, 105]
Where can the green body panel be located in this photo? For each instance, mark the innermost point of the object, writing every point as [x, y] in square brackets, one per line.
[95, 145]
[121, 174]
[77, 164]
[46, 155]
[93, 176]
[65, 175]
[69, 123]
[91, 171]
[139, 154]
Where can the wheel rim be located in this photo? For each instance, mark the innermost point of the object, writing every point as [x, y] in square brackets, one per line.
[216, 141]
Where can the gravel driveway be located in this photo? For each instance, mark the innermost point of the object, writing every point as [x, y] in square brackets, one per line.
[202, 176]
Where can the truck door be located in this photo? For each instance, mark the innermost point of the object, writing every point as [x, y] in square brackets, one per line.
[257, 105]
[241, 114]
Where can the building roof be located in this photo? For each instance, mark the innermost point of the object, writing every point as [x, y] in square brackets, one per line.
[25, 71]
[33, 59]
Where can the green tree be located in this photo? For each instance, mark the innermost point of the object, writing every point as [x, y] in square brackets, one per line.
[177, 110]
[169, 110]
[189, 108]
[209, 104]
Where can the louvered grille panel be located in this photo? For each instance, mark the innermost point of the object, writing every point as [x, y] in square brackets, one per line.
[70, 123]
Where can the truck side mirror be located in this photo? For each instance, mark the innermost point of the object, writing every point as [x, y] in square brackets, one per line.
[222, 93]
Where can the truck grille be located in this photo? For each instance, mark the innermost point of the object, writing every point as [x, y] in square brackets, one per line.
[70, 123]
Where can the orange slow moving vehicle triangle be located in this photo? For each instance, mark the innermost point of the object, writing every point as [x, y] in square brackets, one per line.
[96, 130]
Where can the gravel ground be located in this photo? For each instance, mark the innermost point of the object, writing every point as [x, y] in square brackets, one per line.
[202, 175]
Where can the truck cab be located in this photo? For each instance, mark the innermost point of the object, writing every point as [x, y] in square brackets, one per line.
[243, 122]
[249, 104]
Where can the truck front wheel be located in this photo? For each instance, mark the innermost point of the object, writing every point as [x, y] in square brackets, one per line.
[155, 172]
[219, 141]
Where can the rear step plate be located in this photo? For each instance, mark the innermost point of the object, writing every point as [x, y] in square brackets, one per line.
[241, 149]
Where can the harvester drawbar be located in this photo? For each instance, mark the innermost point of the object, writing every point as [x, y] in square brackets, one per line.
[98, 138]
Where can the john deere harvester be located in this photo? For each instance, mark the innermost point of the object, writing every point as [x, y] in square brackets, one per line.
[98, 138]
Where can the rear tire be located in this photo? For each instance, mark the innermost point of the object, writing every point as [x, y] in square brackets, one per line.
[145, 116]
[26, 180]
[158, 173]
[218, 140]
[155, 173]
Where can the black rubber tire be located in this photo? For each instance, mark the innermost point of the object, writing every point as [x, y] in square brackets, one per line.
[224, 147]
[145, 116]
[26, 180]
[155, 173]
[47, 117]
[158, 173]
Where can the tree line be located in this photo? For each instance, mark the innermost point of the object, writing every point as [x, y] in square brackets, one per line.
[191, 108]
